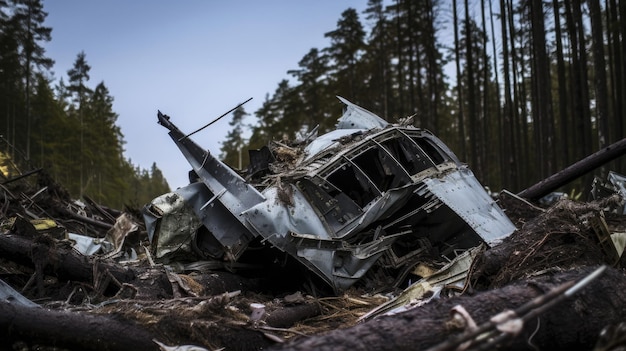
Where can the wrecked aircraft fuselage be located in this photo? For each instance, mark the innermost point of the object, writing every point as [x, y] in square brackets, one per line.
[366, 194]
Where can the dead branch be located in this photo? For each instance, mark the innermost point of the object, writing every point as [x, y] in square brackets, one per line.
[575, 170]
[59, 259]
[288, 316]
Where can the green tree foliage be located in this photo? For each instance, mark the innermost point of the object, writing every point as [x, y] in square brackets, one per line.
[69, 130]
[347, 44]
[232, 148]
[79, 92]
[28, 19]
[313, 88]
[565, 53]
[516, 62]
[279, 117]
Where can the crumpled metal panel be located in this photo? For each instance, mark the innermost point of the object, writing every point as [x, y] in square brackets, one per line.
[356, 117]
[171, 223]
[327, 142]
[408, 195]
[88, 245]
[299, 231]
[615, 184]
[231, 190]
[619, 183]
[274, 220]
[461, 192]
[230, 194]
[452, 274]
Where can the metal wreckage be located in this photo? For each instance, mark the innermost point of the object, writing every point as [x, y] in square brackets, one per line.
[365, 198]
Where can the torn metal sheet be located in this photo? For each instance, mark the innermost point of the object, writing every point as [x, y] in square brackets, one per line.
[619, 241]
[8, 294]
[368, 194]
[612, 244]
[123, 227]
[552, 198]
[454, 274]
[88, 245]
[615, 184]
[112, 245]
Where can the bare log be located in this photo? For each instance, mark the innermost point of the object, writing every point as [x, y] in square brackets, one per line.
[67, 330]
[87, 220]
[574, 324]
[575, 170]
[24, 175]
[288, 316]
[58, 260]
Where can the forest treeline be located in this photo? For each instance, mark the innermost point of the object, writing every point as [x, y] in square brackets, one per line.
[67, 127]
[519, 89]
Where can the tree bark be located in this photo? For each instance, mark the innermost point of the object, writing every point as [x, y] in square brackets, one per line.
[563, 120]
[288, 316]
[60, 260]
[459, 85]
[67, 330]
[48, 257]
[601, 86]
[508, 152]
[573, 324]
[542, 113]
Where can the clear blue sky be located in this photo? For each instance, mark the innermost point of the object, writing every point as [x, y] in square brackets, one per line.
[193, 60]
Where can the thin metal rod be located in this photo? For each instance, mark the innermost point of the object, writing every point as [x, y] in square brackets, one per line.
[215, 120]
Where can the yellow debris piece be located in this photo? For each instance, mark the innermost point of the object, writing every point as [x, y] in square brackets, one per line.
[43, 224]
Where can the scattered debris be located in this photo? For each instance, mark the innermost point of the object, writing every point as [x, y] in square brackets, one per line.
[615, 184]
[226, 262]
[451, 278]
[367, 197]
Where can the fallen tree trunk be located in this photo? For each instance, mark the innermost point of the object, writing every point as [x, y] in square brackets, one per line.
[575, 170]
[288, 316]
[58, 259]
[68, 330]
[574, 324]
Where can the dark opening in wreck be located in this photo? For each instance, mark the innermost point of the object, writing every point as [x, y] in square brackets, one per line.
[367, 197]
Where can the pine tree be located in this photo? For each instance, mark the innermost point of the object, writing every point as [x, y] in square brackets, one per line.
[46, 113]
[232, 150]
[78, 76]
[11, 97]
[28, 18]
[601, 85]
[103, 147]
[344, 52]
[377, 59]
[398, 71]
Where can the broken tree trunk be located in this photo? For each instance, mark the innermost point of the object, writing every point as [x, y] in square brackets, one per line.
[575, 170]
[288, 316]
[573, 324]
[68, 330]
[59, 259]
